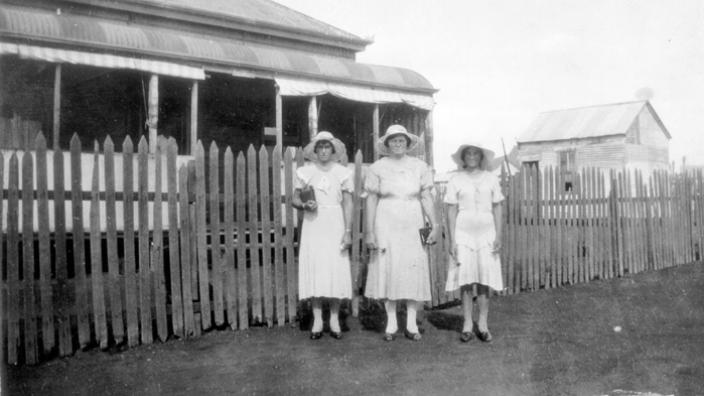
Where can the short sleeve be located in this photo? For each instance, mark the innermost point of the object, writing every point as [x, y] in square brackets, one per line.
[426, 177]
[346, 179]
[496, 195]
[301, 177]
[371, 181]
[451, 192]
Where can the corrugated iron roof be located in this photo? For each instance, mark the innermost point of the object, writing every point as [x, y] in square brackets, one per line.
[264, 12]
[35, 26]
[586, 122]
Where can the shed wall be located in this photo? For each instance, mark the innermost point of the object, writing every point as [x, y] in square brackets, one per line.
[651, 134]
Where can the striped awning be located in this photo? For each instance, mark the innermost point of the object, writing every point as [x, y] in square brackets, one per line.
[200, 50]
[300, 87]
[57, 55]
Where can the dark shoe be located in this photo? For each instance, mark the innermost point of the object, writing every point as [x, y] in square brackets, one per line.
[389, 336]
[484, 336]
[412, 336]
[316, 335]
[466, 336]
[336, 335]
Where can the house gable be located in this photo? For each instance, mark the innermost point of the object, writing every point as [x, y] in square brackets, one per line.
[652, 131]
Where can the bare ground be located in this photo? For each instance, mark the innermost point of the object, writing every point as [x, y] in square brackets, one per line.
[550, 342]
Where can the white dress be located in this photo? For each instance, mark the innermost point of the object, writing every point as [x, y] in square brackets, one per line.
[475, 230]
[324, 268]
[399, 267]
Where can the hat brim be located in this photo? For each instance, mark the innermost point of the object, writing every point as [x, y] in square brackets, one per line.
[486, 161]
[384, 150]
[340, 149]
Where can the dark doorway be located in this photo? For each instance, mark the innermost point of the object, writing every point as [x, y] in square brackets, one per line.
[234, 111]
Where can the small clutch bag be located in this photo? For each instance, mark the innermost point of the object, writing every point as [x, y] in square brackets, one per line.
[307, 194]
[424, 233]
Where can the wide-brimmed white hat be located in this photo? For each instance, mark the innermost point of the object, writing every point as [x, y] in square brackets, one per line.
[309, 149]
[486, 161]
[392, 131]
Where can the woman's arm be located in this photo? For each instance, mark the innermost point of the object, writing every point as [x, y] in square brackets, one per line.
[452, 210]
[497, 210]
[370, 236]
[297, 203]
[347, 213]
[426, 200]
[296, 200]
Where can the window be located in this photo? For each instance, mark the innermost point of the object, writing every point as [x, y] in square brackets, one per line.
[567, 160]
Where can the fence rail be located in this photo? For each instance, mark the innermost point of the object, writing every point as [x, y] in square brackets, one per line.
[211, 243]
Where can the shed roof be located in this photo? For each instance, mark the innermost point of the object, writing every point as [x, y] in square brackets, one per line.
[587, 122]
[200, 49]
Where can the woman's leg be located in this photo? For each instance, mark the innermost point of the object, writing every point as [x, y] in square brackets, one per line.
[317, 304]
[483, 302]
[411, 309]
[391, 325]
[467, 307]
[334, 315]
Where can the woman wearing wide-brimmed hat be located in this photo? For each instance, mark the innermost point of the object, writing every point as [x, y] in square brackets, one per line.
[323, 259]
[398, 188]
[474, 215]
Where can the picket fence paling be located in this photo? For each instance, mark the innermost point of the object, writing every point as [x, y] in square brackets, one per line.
[220, 251]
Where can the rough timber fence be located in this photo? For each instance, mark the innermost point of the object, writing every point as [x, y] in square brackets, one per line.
[157, 250]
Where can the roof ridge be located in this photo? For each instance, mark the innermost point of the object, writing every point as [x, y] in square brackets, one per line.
[592, 106]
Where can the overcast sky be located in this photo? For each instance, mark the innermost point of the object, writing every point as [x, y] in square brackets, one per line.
[498, 63]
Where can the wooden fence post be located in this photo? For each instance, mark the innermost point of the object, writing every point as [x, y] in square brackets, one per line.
[157, 245]
[130, 270]
[356, 227]
[229, 233]
[291, 272]
[201, 240]
[3, 283]
[96, 256]
[265, 202]
[13, 270]
[186, 256]
[243, 290]
[79, 265]
[44, 236]
[277, 220]
[63, 298]
[253, 215]
[145, 281]
[116, 318]
[29, 315]
[213, 212]
[174, 256]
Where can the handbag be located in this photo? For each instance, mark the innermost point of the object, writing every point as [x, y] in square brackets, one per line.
[425, 233]
[307, 194]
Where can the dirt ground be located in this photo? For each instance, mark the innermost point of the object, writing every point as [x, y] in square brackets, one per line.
[551, 342]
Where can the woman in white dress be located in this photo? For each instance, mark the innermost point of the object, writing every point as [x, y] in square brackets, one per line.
[323, 259]
[396, 187]
[474, 215]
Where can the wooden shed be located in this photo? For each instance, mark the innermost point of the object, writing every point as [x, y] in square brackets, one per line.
[234, 72]
[619, 136]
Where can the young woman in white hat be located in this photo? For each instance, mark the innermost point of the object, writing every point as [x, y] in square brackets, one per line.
[474, 215]
[323, 259]
[398, 188]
